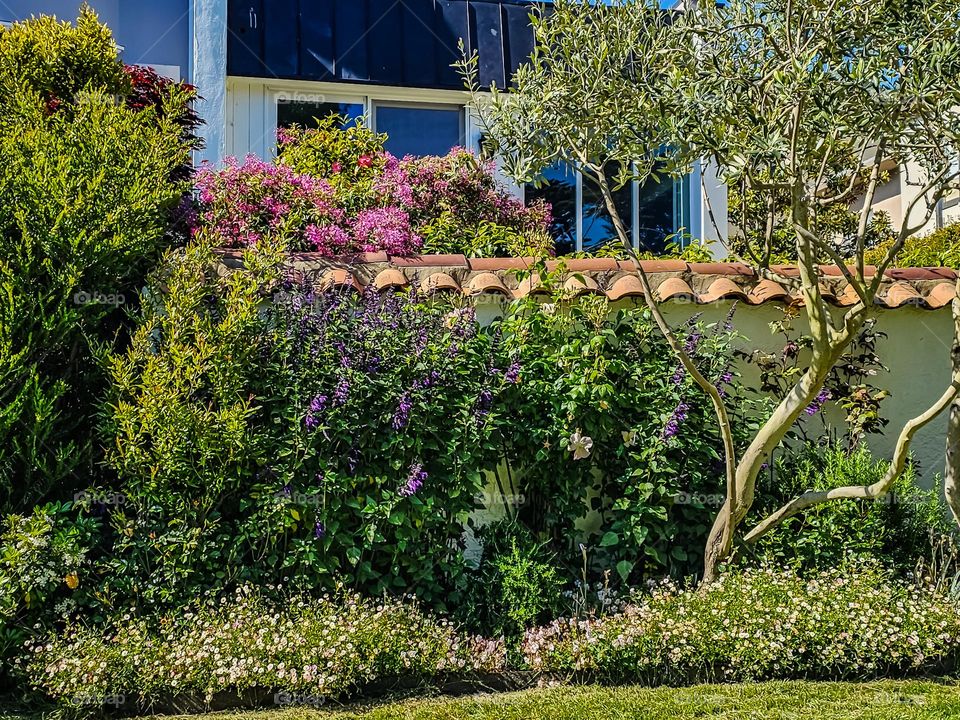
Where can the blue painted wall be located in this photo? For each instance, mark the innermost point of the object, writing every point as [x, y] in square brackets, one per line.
[152, 32]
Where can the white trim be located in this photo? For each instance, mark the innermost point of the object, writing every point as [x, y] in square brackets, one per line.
[251, 113]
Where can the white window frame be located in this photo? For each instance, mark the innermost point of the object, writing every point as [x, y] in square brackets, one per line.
[369, 97]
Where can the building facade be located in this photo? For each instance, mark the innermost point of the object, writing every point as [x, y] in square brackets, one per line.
[263, 64]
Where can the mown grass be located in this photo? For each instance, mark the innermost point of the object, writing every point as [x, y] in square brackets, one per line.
[889, 700]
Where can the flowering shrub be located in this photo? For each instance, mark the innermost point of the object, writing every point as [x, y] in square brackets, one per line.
[456, 205]
[311, 648]
[611, 428]
[242, 203]
[368, 200]
[761, 624]
[332, 436]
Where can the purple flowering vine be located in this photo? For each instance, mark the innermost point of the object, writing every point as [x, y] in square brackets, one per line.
[822, 397]
[679, 415]
[415, 479]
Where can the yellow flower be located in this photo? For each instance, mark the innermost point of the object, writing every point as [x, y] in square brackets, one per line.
[72, 581]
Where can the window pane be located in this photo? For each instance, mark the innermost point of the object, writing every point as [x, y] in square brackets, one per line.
[655, 217]
[420, 131]
[306, 114]
[560, 191]
[598, 229]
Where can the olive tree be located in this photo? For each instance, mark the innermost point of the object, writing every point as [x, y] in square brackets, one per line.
[803, 107]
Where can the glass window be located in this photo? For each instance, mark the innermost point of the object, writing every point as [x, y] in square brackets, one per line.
[598, 229]
[420, 130]
[560, 190]
[656, 216]
[653, 211]
[306, 114]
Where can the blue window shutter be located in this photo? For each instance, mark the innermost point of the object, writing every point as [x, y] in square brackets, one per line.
[487, 32]
[452, 26]
[419, 45]
[351, 20]
[282, 37]
[385, 37]
[245, 38]
[318, 55]
[518, 42]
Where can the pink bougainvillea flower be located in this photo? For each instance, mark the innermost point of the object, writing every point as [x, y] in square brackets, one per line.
[365, 161]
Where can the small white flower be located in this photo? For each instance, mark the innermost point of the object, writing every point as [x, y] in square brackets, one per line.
[548, 308]
[580, 445]
[629, 438]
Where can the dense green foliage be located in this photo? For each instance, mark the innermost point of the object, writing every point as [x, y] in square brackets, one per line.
[895, 530]
[940, 248]
[85, 197]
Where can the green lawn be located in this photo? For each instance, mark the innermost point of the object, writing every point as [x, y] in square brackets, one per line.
[766, 701]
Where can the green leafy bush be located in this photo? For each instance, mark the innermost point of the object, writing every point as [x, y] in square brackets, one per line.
[940, 248]
[56, 61]
[894, 531]
[768, 623]
[516, 584]
[604, 424]
[85, 203]
[310, 648]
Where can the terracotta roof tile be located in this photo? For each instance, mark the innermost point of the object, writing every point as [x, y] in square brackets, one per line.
[675, 288]
[430, 261]
[487, 283]
[900, 294]
[530, 284]
[390, 278]
[941, 295]
[723, 289]
[768, 291]
[580, 284]
[338, 277]
[625, 286]
[439, 282]
[673, 280]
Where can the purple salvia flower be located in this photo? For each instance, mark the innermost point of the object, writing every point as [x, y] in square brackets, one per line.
[319, 530]
[676, 419]
[415, 479]
[402, 416]
[342, 392]
[513, 372]
[814, 407]
[678, 375]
